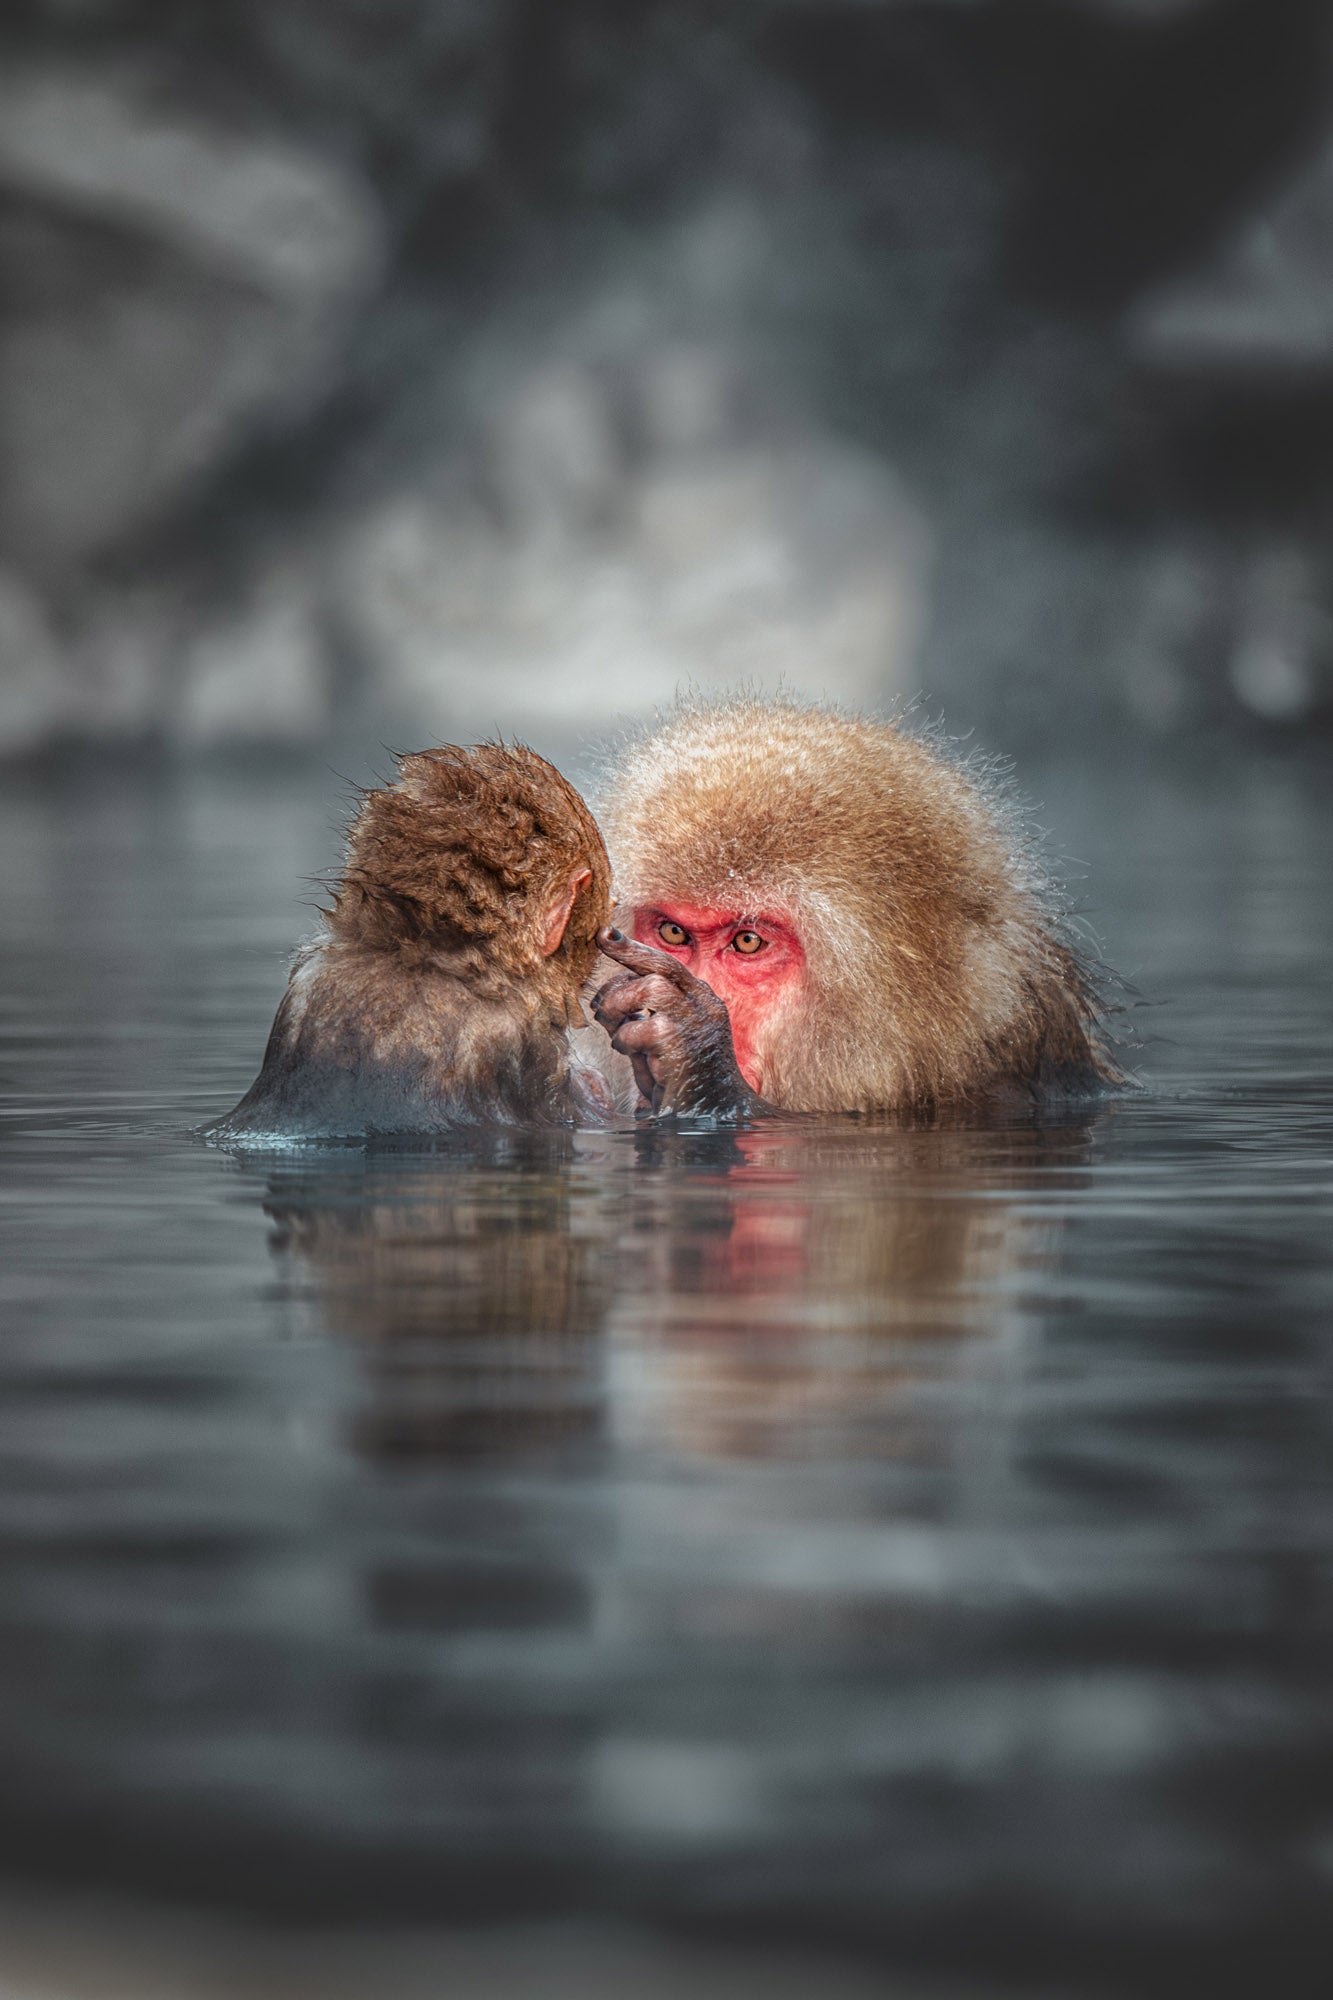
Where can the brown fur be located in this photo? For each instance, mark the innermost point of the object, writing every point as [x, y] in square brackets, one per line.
[937, 968]
[429, 1001]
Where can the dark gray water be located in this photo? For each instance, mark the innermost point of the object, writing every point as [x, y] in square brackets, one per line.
[898, 1543]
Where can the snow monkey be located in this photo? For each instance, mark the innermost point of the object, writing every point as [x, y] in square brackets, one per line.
[870, 913]
[446, 977]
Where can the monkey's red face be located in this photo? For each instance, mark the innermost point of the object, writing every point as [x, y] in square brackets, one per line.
[753, 962]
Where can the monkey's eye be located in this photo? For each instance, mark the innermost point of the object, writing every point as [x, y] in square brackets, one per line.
[672, 934]
[748, 943]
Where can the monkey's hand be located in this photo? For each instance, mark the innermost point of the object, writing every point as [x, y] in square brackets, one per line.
[675, 1031]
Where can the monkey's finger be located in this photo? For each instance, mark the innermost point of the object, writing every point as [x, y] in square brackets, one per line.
[648, 1087]
[607, 1004]
[644, 958]
[643, 1033]
[627, 995]
[615, 994]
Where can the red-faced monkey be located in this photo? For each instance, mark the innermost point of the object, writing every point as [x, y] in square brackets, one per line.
[879, 930]
[447, 975]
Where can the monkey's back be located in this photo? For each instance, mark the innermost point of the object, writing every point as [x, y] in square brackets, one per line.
[361, 1049]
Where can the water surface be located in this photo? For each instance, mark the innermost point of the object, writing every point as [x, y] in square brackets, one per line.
[912, 1546]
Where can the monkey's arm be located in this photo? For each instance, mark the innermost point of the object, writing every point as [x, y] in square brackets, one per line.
[676, 1033]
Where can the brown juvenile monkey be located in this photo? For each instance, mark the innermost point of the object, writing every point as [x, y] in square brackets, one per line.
[447, 976]
[880, 931]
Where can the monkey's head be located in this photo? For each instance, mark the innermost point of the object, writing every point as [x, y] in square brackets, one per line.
[857, 901]
[485, 858]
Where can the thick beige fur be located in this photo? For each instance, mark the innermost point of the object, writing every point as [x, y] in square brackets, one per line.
[938, 968]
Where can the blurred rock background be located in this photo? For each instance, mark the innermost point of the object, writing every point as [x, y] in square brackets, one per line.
[421, 367]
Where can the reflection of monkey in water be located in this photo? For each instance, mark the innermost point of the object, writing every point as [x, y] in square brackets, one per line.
[475, 1298]
[790, 1282]
[463, 926]
[836, 1269]
[873, 918]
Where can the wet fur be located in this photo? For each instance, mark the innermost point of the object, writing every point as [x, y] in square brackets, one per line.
[939, 967]
[427, 1003]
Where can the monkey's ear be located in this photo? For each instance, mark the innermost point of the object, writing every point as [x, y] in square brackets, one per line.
[558, 906]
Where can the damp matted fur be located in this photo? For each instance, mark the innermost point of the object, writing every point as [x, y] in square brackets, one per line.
[428, 999]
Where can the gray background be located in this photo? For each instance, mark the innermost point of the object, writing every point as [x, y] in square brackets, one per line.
[402, 369]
